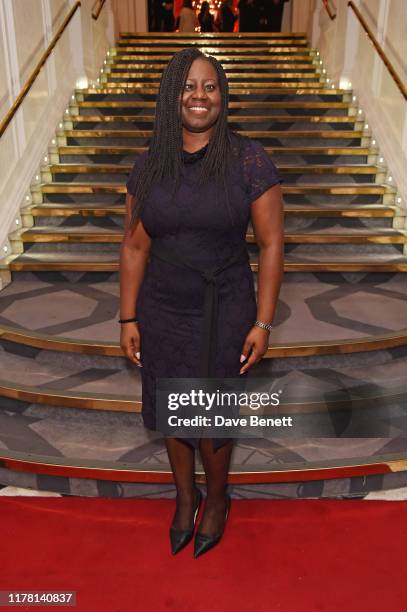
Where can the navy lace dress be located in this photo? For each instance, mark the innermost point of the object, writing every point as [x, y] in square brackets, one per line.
[197, 225]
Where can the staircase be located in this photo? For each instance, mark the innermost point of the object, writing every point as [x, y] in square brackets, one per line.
[70, 401]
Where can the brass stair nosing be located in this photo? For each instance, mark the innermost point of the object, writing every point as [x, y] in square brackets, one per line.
[291, 349]
[74, 168]
[252, 90]
[17, 263]
[66, 210]
[68, 399]
[232, 104]
[334, 189]
[124, 472]
[240, 90]
[231, 119]
[276, 134]
[212, 35]
[32, 236]
[129, 68]
[276, 49]
[118, 403]
[232, 75]
[281, 150]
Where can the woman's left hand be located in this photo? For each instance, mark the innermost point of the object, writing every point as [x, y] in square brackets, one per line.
[256, 341]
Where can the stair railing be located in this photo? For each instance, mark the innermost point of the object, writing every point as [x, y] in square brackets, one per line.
[375, 43]
[29, 83]
[379, 50]
[97, 8]
[332, 15]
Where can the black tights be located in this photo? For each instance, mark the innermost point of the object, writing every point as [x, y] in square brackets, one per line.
[216, 466]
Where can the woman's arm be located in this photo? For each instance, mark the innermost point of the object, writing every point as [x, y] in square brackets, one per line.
[267, 214]
[134, 251]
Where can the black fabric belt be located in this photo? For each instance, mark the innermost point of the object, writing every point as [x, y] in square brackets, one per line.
[210, 305]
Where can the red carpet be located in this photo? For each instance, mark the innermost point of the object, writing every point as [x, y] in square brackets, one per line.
[295, 555]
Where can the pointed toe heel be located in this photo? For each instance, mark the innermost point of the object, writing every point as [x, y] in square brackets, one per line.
[179, 538]
[204, 542]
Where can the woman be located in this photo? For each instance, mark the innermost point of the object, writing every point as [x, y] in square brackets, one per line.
[227, 17]
[249, 16]
[167, 17]
[205, 18]
[187, 18]
[189, 199]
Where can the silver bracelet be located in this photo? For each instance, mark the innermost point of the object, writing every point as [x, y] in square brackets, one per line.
[267, 326]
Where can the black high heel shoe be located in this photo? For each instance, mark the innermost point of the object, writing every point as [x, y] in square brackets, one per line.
[180, 537]
[204, 542]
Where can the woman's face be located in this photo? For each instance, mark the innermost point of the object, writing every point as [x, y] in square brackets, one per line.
[201, 98]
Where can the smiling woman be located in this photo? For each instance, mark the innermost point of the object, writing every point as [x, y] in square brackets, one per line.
[184, 264]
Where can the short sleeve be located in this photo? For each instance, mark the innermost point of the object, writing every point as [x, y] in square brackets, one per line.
[259, 171]
[135, 172]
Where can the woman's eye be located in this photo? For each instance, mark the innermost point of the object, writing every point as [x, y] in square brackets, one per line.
[210, 86]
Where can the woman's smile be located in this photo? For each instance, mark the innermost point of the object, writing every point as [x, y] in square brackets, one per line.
[198, 109]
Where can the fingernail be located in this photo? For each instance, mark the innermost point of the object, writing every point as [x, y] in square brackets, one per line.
[138, 355]
[242, 358]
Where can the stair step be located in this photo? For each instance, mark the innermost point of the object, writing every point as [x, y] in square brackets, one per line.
[236, 89]
[218, 42]
[275, 48]
[108, 235]
[286, 150]
[112, 349]
[82, 400]
[297, 188]
[108, 262]
[124, 67]
[231, 75]
[231, 119]
[124, 133]
[77, 314]
[71, 168]
[323, 210]
[300, 56]
[303, 80]
[252, 104]
[117, 401]
[209, 35]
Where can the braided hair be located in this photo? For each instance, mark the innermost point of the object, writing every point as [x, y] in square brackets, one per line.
[164, 161]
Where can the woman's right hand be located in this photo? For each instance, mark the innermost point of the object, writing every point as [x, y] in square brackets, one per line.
[130, 342]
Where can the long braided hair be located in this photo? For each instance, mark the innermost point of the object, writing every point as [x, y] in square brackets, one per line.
[165, 159]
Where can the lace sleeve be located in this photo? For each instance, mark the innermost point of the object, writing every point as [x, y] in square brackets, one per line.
[259, 171]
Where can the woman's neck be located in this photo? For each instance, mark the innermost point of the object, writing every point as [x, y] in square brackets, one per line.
[193, 141]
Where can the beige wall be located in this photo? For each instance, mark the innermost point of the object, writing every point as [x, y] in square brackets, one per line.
[130, 16]
[301, 15]
[26, 28]
[349, 56]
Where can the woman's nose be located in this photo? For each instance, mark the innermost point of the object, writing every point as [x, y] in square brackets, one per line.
[200, 92]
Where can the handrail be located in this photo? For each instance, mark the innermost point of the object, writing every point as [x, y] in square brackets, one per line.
[332, 15]
[380, 51]
[96, 12]
[36, 71]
